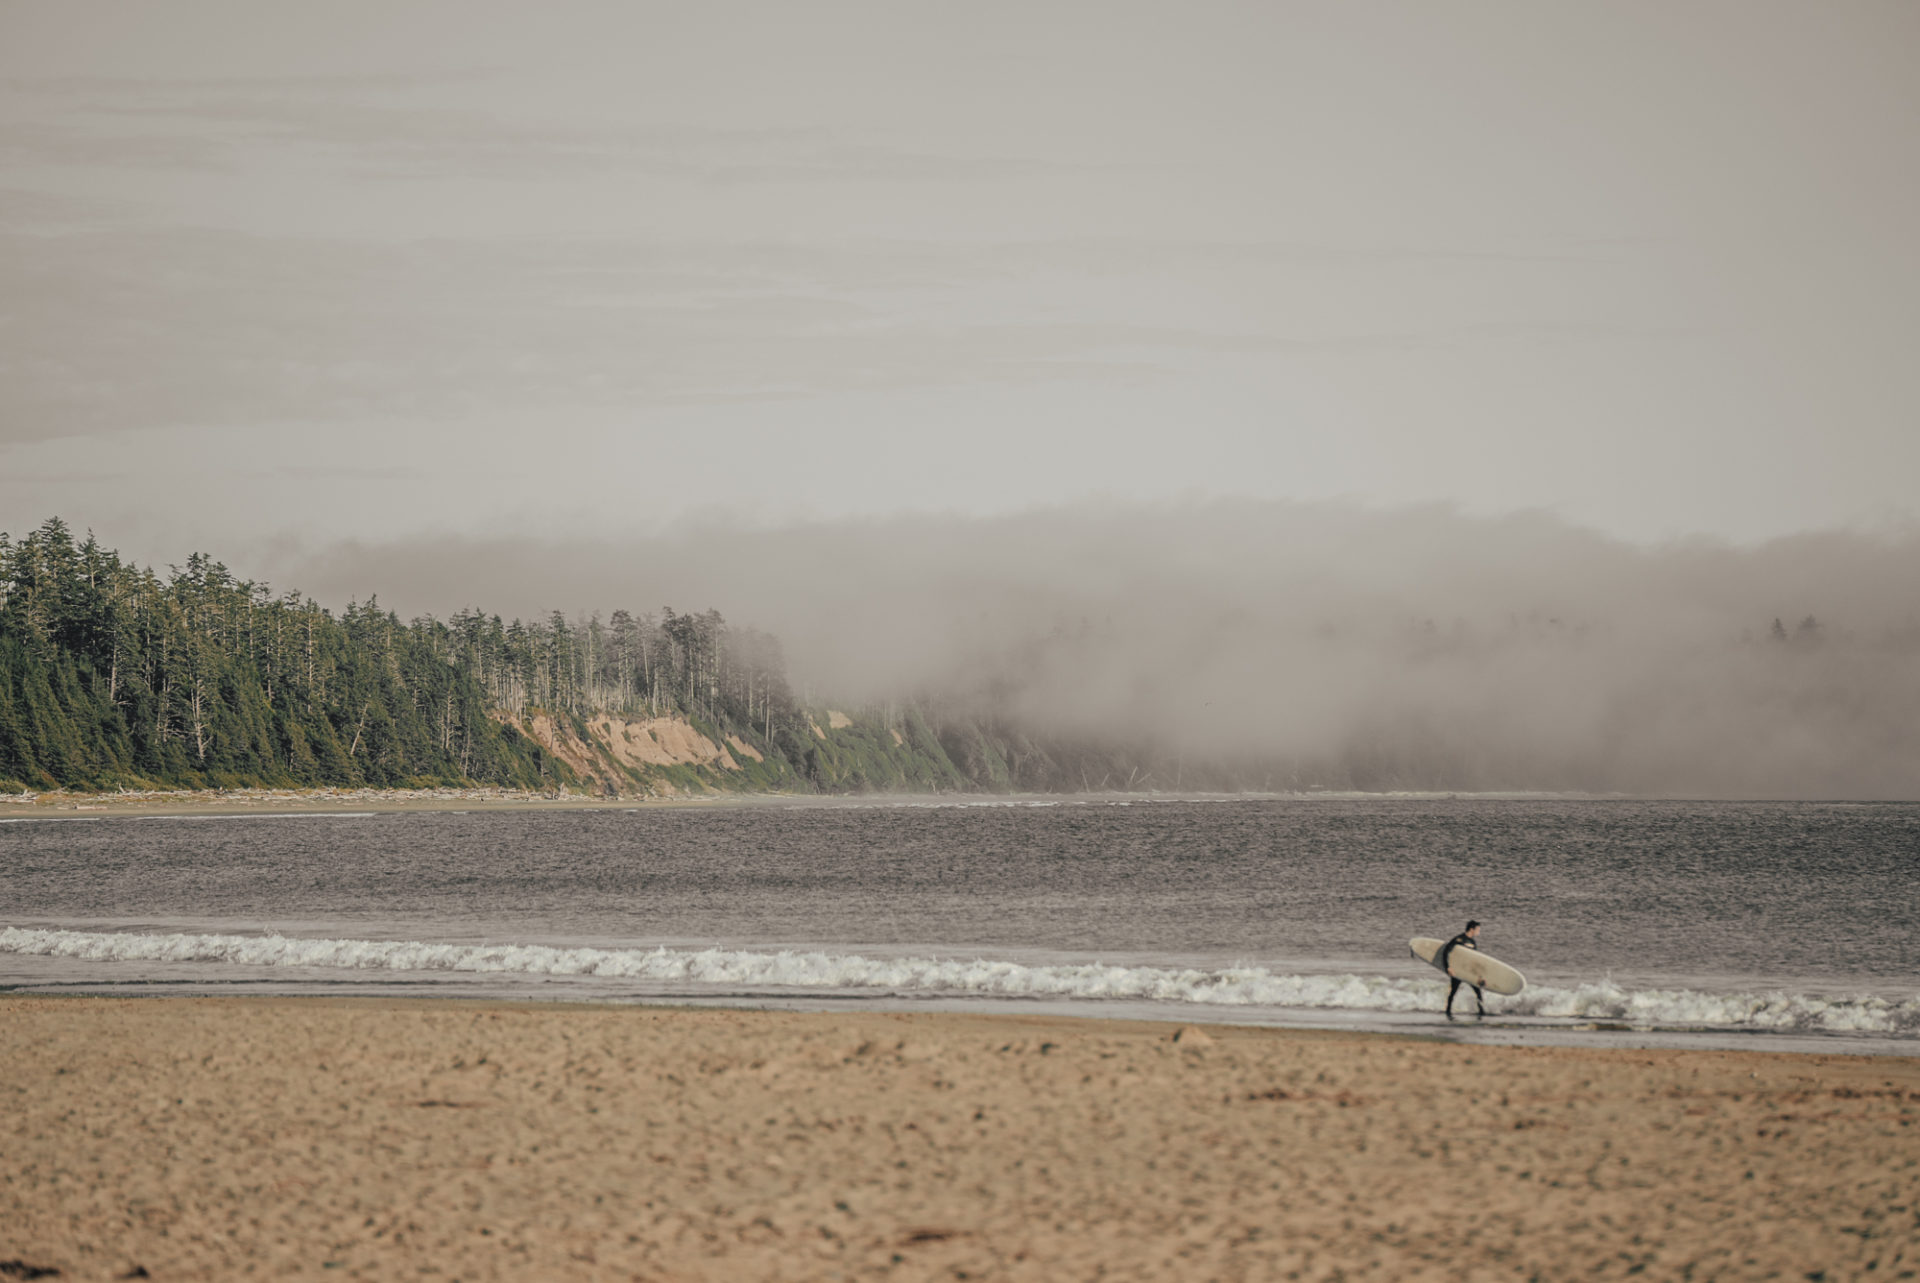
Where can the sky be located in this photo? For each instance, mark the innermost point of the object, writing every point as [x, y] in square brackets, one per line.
[277, 279]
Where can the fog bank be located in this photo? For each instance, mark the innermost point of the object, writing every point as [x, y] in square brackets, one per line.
[1412, 647]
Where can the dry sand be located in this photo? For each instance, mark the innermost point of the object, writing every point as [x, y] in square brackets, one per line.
[218, 1138]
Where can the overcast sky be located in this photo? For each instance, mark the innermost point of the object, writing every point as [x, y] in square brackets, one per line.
[287, 274]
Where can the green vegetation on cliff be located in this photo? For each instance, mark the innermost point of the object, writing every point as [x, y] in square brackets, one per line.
[112, 676]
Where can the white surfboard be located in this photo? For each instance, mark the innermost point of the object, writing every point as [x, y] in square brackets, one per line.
[1471, 965]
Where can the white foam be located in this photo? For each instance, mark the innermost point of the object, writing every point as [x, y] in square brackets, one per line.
[1860, 1013]
[1236, 986]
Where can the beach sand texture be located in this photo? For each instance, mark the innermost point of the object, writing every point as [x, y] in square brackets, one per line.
[330, 1138]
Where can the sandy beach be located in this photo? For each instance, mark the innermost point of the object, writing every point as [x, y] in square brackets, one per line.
[215, 1138]
[127, 804]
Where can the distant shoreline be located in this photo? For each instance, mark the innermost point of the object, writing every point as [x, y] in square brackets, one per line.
[323, 801]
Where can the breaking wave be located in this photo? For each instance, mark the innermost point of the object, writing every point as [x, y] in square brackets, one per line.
[1236, 986]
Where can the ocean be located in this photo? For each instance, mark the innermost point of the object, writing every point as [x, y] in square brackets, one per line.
[1776, 925]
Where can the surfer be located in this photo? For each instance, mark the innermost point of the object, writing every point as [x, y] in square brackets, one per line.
[1468, 939]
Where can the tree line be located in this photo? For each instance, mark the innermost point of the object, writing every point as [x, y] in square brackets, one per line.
[113, 675]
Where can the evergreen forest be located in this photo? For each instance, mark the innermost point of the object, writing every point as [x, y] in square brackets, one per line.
[113, 676]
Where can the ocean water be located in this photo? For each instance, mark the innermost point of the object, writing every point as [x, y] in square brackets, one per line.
[1696, 923]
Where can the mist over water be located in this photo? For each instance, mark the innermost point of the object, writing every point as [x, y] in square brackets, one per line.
[1415, 647]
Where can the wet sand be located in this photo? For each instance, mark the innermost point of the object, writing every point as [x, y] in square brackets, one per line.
[210, 1138]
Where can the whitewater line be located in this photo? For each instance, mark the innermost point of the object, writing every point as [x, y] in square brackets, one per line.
[1244, 985]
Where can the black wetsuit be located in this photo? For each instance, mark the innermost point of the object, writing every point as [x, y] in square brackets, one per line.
[1463, 940]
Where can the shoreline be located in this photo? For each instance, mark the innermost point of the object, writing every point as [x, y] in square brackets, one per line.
[326, 801]
[1597, 1034]
[65, 804]
[370, 1137]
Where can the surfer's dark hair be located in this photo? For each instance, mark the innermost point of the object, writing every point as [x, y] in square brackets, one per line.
[1472, 923]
